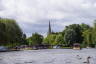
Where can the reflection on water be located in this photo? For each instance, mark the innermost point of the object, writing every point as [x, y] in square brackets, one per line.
[48, 56]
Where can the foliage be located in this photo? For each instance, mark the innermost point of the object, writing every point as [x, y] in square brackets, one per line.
[87, 34]
[24, 40]
[35, 39]
[73, 34]
[54, 39]
[50, 39]
[70, 37]
[10, 32]
[12, 35]
[59, 40]
[84, 27]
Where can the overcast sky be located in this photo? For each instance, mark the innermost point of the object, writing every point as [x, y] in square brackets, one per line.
[34, 15]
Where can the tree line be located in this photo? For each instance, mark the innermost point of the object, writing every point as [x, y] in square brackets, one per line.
[74, 33]
[12, 35]
[83, 34]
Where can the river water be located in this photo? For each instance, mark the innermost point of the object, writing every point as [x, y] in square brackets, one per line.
[49, 56]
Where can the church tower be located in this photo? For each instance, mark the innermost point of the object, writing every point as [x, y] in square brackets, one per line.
[49, 29]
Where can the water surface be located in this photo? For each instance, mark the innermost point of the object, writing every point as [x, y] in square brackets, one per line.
[48, 56]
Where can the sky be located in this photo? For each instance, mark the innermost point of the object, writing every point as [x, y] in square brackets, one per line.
[34, 15]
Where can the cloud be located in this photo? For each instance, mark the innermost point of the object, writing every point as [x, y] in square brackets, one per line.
[33, 15]
[1, 7]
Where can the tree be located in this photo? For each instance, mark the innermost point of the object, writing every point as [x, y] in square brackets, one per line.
[35, 39]
[11, 32]
[24, 40]
[94, 33]
[2, 33]
[84, 27]
[73, 34]
[70, 37]
[59, 40]
[86, 34]
[87, 37]
[50, 39]
[29, 41]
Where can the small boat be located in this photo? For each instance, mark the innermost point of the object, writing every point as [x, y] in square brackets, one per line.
[3, 49]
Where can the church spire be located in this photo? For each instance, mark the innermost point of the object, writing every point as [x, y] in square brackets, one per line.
[49, 30]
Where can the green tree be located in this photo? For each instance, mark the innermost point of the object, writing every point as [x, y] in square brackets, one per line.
[50, 39]
[35, 39]
[29, 41]
[11, 32]
[87, 37]
[2, 33]
[24, 40]
[84, 27]
[59, 40]
[70, 37]
[87, 34]
[73, 34]
[94, 33]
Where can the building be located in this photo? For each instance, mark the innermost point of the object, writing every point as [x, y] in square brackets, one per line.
[49, 29]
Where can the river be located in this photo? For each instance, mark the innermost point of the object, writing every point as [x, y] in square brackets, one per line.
[49, 56]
